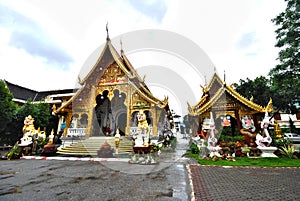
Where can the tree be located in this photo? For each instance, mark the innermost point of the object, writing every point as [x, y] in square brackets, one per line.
[259, 89]
[7, 107]
[285, 76]
[22, 112]
[39, 111]
[43, 116]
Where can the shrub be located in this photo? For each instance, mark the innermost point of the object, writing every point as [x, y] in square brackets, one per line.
[14, 153]
[282, 143]
[285, 147]
[194, 148]
[288, 151]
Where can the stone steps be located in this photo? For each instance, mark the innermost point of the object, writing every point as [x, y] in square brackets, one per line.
[91, 145]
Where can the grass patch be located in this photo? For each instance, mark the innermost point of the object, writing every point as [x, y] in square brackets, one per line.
[245, 161]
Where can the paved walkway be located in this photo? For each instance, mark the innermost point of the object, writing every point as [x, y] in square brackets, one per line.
[244, 183]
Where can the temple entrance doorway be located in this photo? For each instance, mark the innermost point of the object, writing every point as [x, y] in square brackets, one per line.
[111, 114]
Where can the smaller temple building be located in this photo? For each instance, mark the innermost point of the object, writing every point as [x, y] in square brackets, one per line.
[228, 107]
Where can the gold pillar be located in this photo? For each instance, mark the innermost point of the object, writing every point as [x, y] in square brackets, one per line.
[90, 112]
[129, 110]
[154, 121]
[68, 122]
[277, 130]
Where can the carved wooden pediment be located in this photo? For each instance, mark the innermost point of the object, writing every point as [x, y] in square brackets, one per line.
[113, 75]
[139, 102]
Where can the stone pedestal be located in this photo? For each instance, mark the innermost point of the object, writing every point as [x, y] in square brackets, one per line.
[267, 151]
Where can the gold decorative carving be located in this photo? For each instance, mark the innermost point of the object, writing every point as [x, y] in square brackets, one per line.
[139, 102]
[113, 75]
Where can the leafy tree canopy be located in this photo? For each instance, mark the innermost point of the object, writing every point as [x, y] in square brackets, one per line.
[39, 111]
[258, 89]
[7, 106]
[285, 76]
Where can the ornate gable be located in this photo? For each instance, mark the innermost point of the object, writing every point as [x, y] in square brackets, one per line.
[215, 84]
[113, 77]
[219, 96]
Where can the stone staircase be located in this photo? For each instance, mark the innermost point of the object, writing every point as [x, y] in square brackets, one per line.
[90, 146]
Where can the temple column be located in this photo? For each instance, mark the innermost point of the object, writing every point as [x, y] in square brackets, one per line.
[129, 111]
[90, 108]
[238, 120]
[154, 122]
[68, 123]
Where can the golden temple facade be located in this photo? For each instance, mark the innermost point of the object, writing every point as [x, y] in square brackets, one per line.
[109, 99]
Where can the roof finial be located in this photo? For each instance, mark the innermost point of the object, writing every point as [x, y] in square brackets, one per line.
[107, 35]
[224, 76]
[121, 44]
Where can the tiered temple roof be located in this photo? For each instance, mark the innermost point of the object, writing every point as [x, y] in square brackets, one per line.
[108, 57]
[220, 96]
[113, 73]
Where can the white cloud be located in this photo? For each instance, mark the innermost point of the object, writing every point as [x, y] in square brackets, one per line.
[77, 28]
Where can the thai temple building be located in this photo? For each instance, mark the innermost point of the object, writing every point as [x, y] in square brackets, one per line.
[227, 106]
[112, 96]
[109, 98]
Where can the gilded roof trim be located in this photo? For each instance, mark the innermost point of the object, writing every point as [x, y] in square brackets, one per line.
[96, 64]
[202, 107]
[215, 77]
[142, 84]
[70, 101]
[142, 90]
[118, 59]
[201, 102]
[153, 100]
[242, 99]
[209, 104]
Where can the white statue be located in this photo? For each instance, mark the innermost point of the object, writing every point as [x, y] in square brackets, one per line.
[264, 140]
[26, 139]
[138, 140]
[212, 140]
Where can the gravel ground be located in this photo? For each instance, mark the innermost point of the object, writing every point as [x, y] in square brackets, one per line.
[78, 180]
[90, 180]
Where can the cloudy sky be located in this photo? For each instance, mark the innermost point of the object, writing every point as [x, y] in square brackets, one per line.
[44, 44]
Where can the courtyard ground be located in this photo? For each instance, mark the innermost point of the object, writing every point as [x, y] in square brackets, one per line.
[176, 179]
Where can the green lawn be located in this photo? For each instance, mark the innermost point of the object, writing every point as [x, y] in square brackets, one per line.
[245, 161]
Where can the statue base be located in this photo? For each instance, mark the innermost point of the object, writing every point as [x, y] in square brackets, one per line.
[267, 151]
[49, 149]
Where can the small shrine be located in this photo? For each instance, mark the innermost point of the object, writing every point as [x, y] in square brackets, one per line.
[224, 106]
